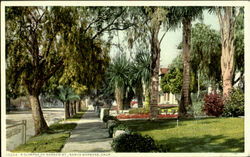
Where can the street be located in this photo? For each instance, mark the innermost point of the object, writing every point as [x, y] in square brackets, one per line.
[13, 135]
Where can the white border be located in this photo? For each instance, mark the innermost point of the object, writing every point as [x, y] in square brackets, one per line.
[127, 3]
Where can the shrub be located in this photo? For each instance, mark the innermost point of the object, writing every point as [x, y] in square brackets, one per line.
[234, 106]
[111, 125]
[134, 143]
[138, 111]
[213, 105]
[108, 117]
[123, 127]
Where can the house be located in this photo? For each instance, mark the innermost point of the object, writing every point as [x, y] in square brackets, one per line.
[165, 98]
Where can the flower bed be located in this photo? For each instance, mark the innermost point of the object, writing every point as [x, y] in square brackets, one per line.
[144, 116]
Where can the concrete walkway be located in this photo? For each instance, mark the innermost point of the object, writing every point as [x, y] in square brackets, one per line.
[88, 136]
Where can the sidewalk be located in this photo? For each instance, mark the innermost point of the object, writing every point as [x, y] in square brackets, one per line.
[88, 136]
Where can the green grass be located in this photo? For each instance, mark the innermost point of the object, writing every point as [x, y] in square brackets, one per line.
[203, 135]
[52, 140]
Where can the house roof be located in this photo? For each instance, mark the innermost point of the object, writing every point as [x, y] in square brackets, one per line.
[163, 71]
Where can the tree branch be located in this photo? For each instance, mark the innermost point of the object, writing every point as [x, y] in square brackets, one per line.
[105, 28]
[52, 71]
[220, 21]
[164, 35]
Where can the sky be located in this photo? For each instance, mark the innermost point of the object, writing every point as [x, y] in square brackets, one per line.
[169, 44]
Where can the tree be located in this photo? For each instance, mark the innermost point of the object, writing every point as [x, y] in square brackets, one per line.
[118, 74]
[185, 15]
[140, 71]
[228, 17]
[31, 36]
[205, 53]
[239, 52]
[65, 94]
[171, 82]
[45, 40]
[157, 17]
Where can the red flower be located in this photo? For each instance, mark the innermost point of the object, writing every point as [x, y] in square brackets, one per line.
[144, 116]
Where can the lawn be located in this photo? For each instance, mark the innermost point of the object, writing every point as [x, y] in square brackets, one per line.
[51, 141]
[202, 135]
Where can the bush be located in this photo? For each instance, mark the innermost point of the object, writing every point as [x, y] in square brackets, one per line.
[234, 106]
[197, 105]
[123, 127]
[111, 126]
[138, 111]
[134, 143]
[108, 117]
[213, 105]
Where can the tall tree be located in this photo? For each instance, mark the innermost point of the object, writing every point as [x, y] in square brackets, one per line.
[157, 17]
[42, 40]
[32, 35]
[185, 15]
[228, 17]
[205, 53]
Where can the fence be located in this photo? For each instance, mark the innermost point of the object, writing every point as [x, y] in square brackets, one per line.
[24, 128]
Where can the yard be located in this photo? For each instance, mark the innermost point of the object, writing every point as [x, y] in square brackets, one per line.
[201, 135]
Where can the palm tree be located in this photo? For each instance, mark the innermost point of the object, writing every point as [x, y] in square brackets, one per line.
[118, 74]
[141, 74]
[65, 94]
[185, 15]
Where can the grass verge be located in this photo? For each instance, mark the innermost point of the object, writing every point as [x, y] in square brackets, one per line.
[202, 135]
[52, 140]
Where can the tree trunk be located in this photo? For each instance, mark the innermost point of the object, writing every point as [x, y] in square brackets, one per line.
[78, 106]
[119, 97]
[75, 107]
[127, 99]
[71, 109]
[147, 99]
[185, 92]
[66, 110]
[227, 29]
[198, 92]
[154, 70]
[139, 94]
[37, 115]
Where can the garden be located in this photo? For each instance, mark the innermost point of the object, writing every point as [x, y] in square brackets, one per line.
[152, 93]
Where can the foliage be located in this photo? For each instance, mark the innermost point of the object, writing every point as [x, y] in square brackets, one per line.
[64, 94]
[106, 118]
[239, 52]
[206, 51]
[133, 143]
[234, 106]
[123, 127]
[51, 141]
[213, 105]
[172, 81]
[120, 79]
[138, 111]
[197, 106]
[141, 68]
